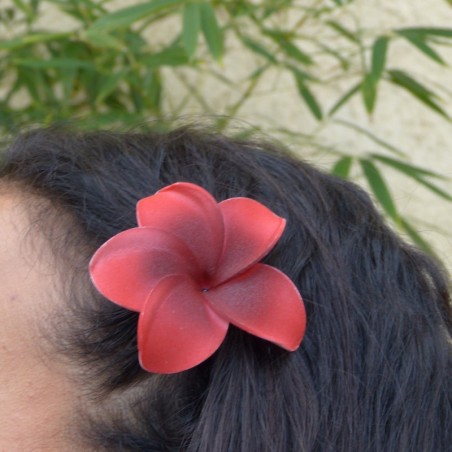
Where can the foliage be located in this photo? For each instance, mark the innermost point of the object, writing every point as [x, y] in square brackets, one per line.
[118, 66]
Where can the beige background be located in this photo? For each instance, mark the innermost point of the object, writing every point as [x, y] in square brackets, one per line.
[399, 119]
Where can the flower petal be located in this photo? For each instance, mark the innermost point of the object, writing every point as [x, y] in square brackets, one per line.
[264, 302]
[250, 232]
[177, 329]
[129, 265]
[192, 214]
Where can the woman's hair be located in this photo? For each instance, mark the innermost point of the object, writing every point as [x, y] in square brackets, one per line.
[373, 371]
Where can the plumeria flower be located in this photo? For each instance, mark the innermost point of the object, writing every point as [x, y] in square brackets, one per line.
[190, 269]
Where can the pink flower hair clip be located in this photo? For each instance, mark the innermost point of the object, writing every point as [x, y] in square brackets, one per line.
[190, 269]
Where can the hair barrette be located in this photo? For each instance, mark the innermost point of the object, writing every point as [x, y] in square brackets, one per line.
[190, 269]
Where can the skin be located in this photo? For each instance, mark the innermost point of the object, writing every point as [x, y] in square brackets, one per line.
[37, 395]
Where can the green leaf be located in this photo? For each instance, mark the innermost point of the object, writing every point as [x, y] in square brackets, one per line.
[344, 99]
[433, 188]
[26, 8]
[369, 92]
[211, 30]
[294, 52]
[124, 17]
[191, 27]
[343, 61]
[379, 188]
[60, 63]
[307, 95]
[343, 31]
[379, 51]
[371, 136]
[109, 119]
[419, 91]
[342, 2]
[26, 79]
[303, 75]
[12, 44]
[136, 97]
[371, 78]
[21, 5]
[104, 40]
[342, 167]
[171, 56]
[416, 237]
[32, 38]
[68, 79]
[407, 168]
[419, 41]
[153, 86]
[429, 31]
[258, 48]
[417, 174]
[289, 48]
[108, 85]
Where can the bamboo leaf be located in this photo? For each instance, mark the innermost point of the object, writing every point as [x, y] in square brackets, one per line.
[60, 63]
[108, 85]
[28, 8]
[124, 17]
[102, 40]
[346, 33]
[303, 75]
[418, 40]
[68, 78]
[342, 167]
[344, 99]
[307, 96]
[407, 168]
[190, 28]
[429, 31]
[416, 237]
[433, 188]
[410, 83]
[154, 90]
[259, 49]
[32, 38]
[371, 79]
[379, 188]
[369, 92]
[294, 52]
[379, 51]
[12, 44]
[211, 30]
[171, 56]
[342, 2]
[419, 91]
[21, 5]
[371, 136]
[134, 42]
[345, 64]
[288, 47]
[25, 79]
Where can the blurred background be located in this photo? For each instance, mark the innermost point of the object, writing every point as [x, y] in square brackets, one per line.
[360, 88]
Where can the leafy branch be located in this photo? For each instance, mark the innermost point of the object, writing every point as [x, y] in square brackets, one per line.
[119, 66]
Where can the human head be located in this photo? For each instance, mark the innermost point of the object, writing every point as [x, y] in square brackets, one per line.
[372, 369]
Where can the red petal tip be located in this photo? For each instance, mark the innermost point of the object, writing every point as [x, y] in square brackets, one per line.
[264, 302]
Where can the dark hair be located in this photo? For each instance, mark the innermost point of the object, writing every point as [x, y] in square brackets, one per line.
[373, 371]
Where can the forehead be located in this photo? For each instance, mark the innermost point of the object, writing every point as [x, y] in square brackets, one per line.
[30, 381]
[28, 276]
[27, 279]
[23, 251]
